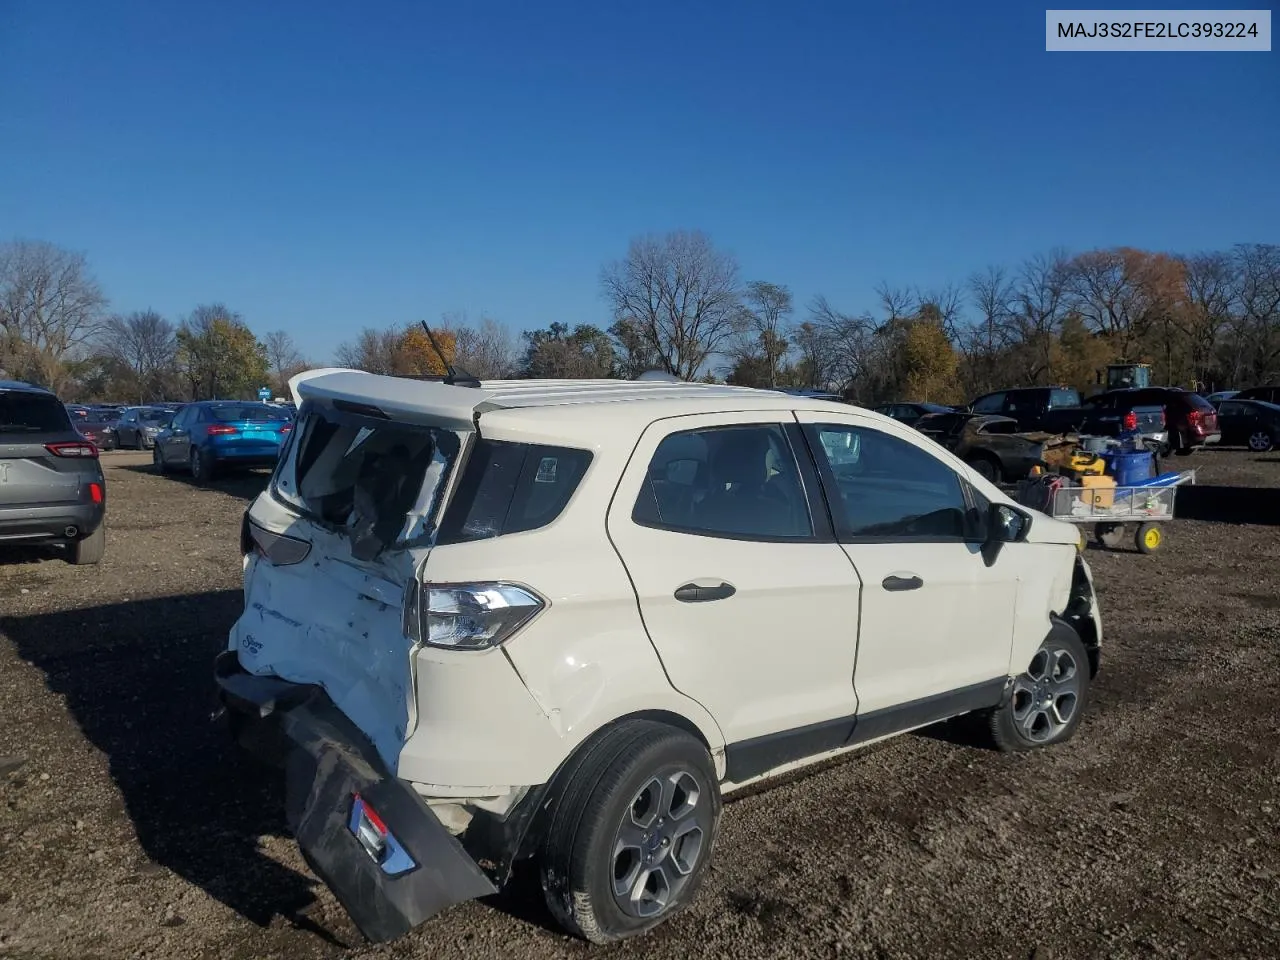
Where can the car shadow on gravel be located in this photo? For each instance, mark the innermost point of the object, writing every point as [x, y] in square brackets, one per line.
[1223, 504]
[137, 678]
[245, 484]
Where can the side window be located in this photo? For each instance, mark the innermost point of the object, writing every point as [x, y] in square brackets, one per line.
[510, 488]
[889, 489]
[1063, 397]
[1016, 403]
[991, 403]
[1229, 409]
[735, 482]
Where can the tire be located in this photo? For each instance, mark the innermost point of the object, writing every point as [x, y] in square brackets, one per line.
[1110, 535]
[89, 550]
[987, 468]
[1149, 538]
[595, 832]
[1261, 442]
[1026, 721]
[201, 466]
[157, 460]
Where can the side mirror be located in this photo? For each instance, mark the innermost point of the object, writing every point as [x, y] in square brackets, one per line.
[1005, 524]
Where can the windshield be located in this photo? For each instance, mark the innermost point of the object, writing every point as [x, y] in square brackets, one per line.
[22, 412]
[246, 411]
[377, 481]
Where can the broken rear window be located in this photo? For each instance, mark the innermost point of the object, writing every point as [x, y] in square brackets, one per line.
[375, 480]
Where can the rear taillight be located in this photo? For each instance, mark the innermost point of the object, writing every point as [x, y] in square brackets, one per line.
[1163, 419]
[467, 616]
[281, 550]
[1131, 421]
[75, 448]
[95, 492]
[216, 430]
[286, 428]
[1195, 418]
[373, 835]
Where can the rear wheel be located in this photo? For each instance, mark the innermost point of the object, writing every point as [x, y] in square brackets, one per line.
[201, 466]
[1109, 534]
[632, 834]
[987, 468]
[1047, 700]
[1260, 442]
[1149, 537]
[91, 549]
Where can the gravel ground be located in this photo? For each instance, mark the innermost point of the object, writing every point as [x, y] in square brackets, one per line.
[129, 828]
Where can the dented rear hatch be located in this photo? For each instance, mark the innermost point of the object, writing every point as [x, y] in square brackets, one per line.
[334, 546]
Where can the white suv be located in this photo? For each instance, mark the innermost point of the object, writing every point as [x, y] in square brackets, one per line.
[561, 620]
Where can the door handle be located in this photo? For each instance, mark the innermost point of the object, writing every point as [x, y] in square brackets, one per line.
[693, 593]
[894, 582]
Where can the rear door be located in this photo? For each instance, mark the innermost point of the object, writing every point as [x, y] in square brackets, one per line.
[936, 622]
[749, 602]
[1235, 420]
[30, 474]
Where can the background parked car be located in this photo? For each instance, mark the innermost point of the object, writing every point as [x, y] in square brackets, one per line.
[990, 444]
[1219, 396]
[99, 432]
[137, 427]
[909, 413]
[1192, 421]
[207, 436]
[1060, 410]
[51, 484]
[1270, 394]
[1250, 423]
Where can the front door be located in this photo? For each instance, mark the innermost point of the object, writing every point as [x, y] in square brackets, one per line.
[751, 605]
[937, 623]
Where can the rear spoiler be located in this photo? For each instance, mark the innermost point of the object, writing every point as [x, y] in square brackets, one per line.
[306, 375]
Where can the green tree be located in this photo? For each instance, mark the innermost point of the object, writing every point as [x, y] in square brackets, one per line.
[219, 356]
[558, 353]
[929, 359]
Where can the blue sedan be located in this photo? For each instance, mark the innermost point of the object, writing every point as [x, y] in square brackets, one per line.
[210, 435]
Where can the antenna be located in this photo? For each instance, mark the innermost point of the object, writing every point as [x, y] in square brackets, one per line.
[453, 376]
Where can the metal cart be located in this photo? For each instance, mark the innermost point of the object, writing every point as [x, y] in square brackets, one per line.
[1112, 510]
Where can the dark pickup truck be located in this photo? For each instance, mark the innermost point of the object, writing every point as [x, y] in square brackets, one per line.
[1060, 410]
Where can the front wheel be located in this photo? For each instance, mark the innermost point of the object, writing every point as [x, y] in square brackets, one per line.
[1149, 538]
[1047, 700]
[1260, 442]
[632, 834]
[157, 460]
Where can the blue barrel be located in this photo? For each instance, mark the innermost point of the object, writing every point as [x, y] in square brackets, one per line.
[1130, 468]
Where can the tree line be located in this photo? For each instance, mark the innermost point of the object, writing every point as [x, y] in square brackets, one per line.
[677, 303]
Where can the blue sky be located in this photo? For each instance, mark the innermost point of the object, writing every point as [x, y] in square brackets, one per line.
[323, 166]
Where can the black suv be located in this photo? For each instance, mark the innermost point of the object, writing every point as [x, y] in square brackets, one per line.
[51, 484]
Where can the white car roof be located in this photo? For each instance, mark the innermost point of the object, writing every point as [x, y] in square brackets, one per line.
[591, 400]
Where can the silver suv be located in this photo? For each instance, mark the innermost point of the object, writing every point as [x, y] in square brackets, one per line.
[51, 486]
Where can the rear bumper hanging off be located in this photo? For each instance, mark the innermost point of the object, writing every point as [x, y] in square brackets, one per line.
[364, 832]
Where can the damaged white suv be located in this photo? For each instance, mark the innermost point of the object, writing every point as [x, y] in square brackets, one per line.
[561, 620]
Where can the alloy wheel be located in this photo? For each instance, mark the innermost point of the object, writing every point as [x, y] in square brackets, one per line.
[1260, 442]
[662, 835]
[1045, 698]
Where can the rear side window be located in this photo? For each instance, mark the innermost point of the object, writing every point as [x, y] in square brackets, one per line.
[23, 412]
[510, 488]
[1063, 397]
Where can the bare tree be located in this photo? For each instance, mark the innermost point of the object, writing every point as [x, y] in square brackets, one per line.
[849, 341]
[144, 343]
[50, 304]
[284, 359]
[991, 291]
[487, 351]
[898, 302]
[1258, 294]
[1211, 283]
[1039, 305]
[681, 296]
[766, 308]
[374, 351]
